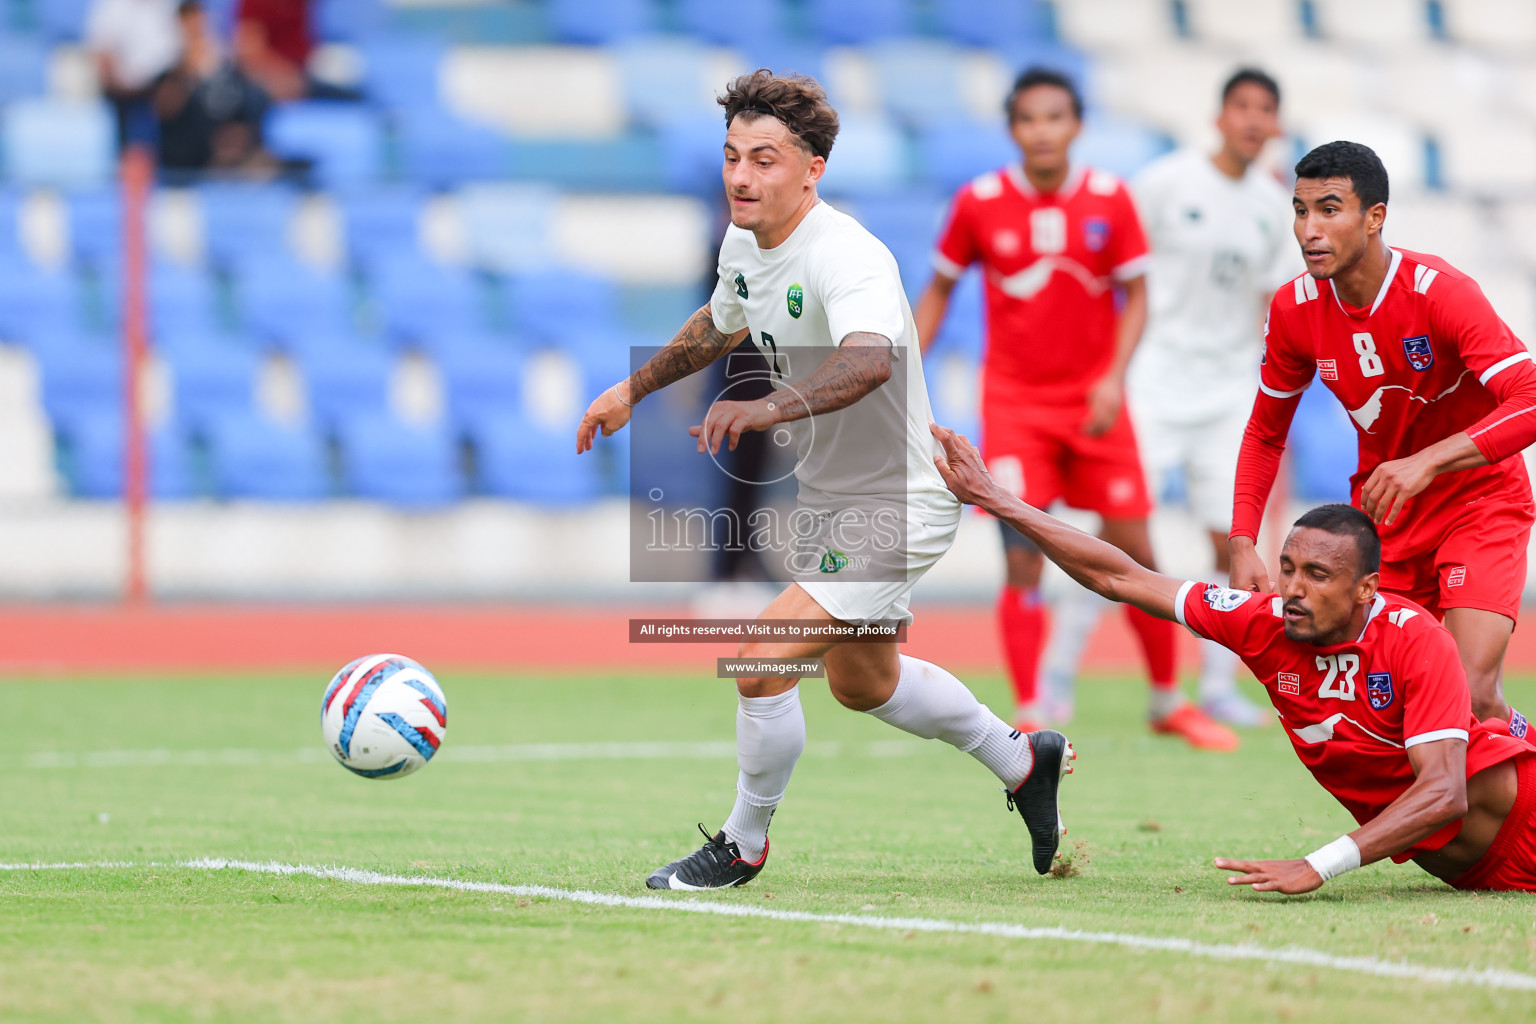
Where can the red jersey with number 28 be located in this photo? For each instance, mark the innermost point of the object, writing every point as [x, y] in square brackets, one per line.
[1352, 710]
[1417, 366]
[1051, 261]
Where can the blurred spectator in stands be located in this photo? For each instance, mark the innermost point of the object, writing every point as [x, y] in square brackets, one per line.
[272, 47]
[210, 113]
[134, 43]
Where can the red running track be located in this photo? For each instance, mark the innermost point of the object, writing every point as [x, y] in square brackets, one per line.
[186, 638]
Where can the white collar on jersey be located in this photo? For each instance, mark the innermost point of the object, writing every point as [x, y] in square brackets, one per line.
[1376, 607]
[1397, 260]
[1074, 178]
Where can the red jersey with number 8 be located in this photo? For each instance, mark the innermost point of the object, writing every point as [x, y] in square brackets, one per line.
[1352, 710]
[1411, 369]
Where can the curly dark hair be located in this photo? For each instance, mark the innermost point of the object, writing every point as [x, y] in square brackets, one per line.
[796, 100]
[1351, 160]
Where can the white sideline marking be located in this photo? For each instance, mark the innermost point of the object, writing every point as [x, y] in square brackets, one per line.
[617, 751]
[1486, 977]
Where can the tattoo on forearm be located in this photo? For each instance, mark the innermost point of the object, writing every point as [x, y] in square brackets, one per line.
[694, 347]
[860, 365]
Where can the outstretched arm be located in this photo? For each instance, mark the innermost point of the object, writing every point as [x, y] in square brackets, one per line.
[1437, 797]
[694, 347]
[860, 365]
[1102, 568]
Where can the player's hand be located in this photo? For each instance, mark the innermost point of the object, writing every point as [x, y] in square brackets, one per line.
[962, 469]
[1390, 486]
[605, 412]
[1105, 400]
[727, 421]
[1248, 570]
[1291, 877]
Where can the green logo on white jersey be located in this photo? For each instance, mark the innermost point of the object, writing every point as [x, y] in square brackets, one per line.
[796, 301]
[834, 560]
[741, 286]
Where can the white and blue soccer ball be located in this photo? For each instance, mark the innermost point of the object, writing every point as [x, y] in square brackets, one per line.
[384, 716]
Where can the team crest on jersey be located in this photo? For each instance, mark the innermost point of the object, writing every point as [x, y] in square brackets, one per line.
[1378, 687]
[1328, 369]
[1096, 233]
[1420, 356]
[1518, 726]
[796, 301]
[833, 561]
[1289, 682]
[741, 286]
[1225, 599]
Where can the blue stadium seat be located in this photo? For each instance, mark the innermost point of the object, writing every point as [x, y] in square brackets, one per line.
[254, 457]
[210, 381]
[482, 375]
[182, 299]
[344, 376]
[508, 225]
[56, 142]
[36, 304]
[281, 299]
[991, 24]
[82, 376]
[785, 53]
[963, 330]
[603, 354]
[1020, 54]
[95, 459]
[61, 19]
[241, 221]
[401, 71]
[919, 80]
[343, 141]
[347, 20]
[854, 22]
[599, 22]
[382, 219]
[519, 458]
[627, 163]
[440, 150]
[1324, 447]
[1117, 145]
[416, 297]
[23, 67]
[386, 460]
[908, 224]
[547, 305]
[664, 80]
[692, 154]
[871, 158]
[722, 25]
[96, 226]
[955, 153]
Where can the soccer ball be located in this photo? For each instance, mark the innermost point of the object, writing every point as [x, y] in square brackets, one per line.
[383, 716]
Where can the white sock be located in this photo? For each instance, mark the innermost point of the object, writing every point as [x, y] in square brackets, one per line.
[1218, 666]
[770, 734]
[1074, 617]
[931, 703]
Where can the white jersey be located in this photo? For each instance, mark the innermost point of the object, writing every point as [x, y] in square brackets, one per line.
[1220, 248]
[831, 278]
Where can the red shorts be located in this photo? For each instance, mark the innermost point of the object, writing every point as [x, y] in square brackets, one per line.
[1510, 862]
[1479, 563]
[1042, 455]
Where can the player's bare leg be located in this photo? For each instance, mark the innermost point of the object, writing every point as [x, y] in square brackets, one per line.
[1021, 623]
[1482, 638]
[1219, 696]
[1168, 711]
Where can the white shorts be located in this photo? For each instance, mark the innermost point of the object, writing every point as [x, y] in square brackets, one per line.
[1206, 453]
[929, 535]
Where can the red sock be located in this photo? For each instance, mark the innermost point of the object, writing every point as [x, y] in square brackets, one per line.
[1158, 642]
[1021, 619]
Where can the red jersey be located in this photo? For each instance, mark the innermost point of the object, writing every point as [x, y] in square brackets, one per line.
[1352, 710]
[1427, 360]
[286, 23]
[1051, 261]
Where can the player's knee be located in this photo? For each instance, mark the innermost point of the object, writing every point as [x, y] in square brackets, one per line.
[1024, 567]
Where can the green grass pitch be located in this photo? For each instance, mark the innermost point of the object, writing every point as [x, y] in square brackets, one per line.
[875, 824]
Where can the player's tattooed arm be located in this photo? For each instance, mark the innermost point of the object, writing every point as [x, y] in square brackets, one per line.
[697, 345]
[860, 364]
[694, 347]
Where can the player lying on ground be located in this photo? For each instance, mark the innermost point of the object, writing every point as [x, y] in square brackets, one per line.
[1368, 686]
[844, 295]
[1058, 242]
[1442, 395]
